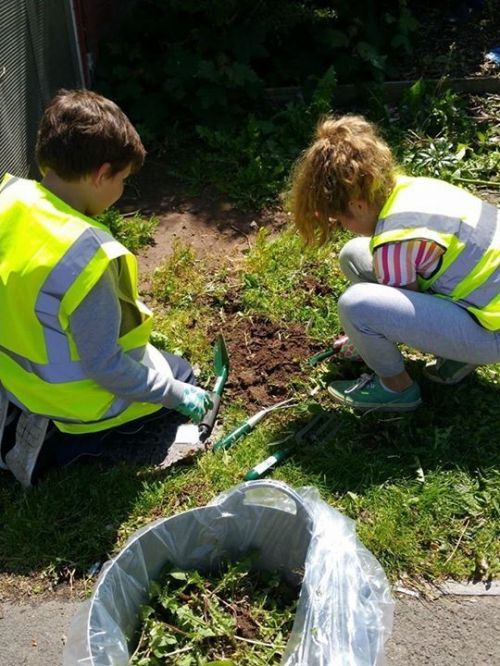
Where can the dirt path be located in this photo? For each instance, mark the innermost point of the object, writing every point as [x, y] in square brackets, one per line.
[212, 225]
[451, 631]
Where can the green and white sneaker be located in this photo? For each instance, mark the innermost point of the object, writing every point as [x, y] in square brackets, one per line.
[367, 394]
[446, 371]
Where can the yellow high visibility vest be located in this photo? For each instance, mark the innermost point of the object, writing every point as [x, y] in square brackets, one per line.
[467, 228]
[50, 258]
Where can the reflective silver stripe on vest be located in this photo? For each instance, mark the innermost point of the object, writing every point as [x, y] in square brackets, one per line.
[483, 294]
[60, 279]
[412, 220]
[118, 406]
[472, 253]
[9, 183]
[68, 372]
[484, 233]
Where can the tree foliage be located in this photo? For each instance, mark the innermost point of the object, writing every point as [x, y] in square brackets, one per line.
[212, 62]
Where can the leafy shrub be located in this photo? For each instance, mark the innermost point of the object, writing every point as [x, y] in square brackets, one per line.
[174, 62]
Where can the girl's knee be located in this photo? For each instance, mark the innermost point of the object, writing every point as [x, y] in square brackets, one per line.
[359, 304]
[347, 256]
[355, 259]
[354, 299]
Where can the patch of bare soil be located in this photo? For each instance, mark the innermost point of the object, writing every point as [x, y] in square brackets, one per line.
[265, 358]
[208, 222]
[35, 588]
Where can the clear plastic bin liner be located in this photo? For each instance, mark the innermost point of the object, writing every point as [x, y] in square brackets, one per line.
[345, 608]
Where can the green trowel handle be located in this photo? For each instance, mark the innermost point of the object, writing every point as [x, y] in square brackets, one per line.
[259, 470]
[234, 436]
[206, 425]
[321, 356]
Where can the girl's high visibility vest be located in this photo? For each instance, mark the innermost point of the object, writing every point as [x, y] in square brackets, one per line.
[467, 228]
[50, 258]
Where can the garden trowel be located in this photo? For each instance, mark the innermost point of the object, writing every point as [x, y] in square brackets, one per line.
[221, 368]
[189, 436]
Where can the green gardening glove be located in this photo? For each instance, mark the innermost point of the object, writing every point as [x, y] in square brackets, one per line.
[195, 403]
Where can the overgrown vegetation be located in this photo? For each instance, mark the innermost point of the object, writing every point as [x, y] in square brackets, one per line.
[215, 60]
[232, 616]
[438, 133]
[215, 113]
[134, 231]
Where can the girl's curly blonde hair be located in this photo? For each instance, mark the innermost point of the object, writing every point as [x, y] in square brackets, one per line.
[347, 160]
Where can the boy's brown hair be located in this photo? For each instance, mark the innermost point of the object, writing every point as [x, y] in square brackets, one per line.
[80, 131]
[347, 160]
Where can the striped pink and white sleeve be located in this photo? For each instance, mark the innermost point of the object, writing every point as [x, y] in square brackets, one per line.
[397, 264]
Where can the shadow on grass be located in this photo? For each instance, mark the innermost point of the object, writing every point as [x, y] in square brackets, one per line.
[455, 428]
[72, 519]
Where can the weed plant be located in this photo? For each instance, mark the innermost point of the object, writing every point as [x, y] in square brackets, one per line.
[232, 616]
[133, 231]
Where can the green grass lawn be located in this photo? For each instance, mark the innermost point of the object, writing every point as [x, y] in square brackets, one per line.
[424, 488]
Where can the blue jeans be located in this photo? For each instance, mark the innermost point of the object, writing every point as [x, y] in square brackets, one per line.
[377, 318]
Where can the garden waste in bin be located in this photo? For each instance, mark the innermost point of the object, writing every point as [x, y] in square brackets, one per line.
[344, 612]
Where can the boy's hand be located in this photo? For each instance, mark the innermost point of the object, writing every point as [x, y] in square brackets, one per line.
[195, 403]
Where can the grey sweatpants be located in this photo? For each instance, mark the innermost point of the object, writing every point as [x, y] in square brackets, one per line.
[376, 318]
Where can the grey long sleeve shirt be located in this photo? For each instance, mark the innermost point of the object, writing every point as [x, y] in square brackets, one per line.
[95, 326]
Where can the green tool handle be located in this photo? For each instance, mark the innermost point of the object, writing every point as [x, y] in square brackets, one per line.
[234, 436]
[263, 467]
[220, 382]
[317, 358]
[206, 425]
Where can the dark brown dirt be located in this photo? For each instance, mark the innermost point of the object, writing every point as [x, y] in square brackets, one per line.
[265, 359]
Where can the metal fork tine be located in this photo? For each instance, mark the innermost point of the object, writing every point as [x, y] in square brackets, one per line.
[316, 421]
[326, 427]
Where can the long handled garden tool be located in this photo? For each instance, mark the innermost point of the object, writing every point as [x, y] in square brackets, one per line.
[247, 426]
[311, 433]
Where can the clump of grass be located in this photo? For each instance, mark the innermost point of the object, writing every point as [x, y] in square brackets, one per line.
[290, 283]
[233, 616]
[133, 231]
[185, 290]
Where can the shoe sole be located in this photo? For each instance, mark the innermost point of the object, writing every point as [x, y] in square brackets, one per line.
[377, 406]
[30, 436]
[448, 382]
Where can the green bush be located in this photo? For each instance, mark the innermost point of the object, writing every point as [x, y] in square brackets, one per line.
[172, 63]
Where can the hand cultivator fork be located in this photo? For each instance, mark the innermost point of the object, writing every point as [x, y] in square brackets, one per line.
[311, 434]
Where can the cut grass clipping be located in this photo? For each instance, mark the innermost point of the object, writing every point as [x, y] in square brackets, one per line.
[235, 616]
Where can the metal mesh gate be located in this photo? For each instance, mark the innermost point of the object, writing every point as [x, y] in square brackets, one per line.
[38, 55]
